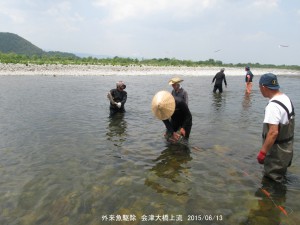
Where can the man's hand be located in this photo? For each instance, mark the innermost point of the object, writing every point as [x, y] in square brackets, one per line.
[182, 131]
[261, 157]
[175, 137]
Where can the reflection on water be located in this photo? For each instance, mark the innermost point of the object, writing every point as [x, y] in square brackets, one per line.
[172, 167]
[218, 100]
[116, 129]
[271, 198]
[246, 101]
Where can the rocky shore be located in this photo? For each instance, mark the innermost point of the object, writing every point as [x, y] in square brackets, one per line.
[101, 70]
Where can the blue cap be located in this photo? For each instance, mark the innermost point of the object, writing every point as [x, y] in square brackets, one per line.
[270, 81]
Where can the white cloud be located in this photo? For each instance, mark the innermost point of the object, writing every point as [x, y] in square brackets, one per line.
[59, 9]
[64, 15]
[15, 15]
[256, 37]
[133, 9]
[266, 4]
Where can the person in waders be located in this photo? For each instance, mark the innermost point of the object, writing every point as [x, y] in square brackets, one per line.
[218, 79]
[276, 152]
[178, 92]
[248, 79]
[175, 115]
[117, 98]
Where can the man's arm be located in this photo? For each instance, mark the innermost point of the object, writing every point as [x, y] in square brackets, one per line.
[124, 99]
[186, 97]
[110, 98]
[168, 125]
[269, 141]
[214, 79]
[170, 129]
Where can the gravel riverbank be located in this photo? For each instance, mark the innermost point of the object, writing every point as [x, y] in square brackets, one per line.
[101, 70]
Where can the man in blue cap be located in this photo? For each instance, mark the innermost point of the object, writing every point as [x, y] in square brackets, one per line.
[276, 152]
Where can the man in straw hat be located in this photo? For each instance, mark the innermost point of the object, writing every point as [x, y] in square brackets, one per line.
[178, 92]
[117, 98]
[175, 115]
[276, 152]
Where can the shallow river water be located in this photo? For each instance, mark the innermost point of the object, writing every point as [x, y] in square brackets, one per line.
[64, 161]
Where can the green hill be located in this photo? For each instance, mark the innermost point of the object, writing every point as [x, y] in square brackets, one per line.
[13, 43]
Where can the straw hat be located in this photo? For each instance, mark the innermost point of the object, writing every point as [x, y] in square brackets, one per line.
[163, 105]
[175, 80]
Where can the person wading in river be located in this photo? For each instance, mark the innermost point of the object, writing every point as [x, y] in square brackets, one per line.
[276, 152]
[219, 77]
[178, 92]
[248, 79]
[117, 98]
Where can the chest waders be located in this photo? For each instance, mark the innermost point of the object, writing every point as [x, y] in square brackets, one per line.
[280, 156]
[116, 96]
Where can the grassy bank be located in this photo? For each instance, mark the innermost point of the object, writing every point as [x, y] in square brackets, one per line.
[13, 58]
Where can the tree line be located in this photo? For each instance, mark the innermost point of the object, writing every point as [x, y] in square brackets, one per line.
[53, 58]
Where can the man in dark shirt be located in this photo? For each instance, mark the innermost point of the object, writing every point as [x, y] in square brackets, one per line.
[180, 120]
[219, 77]
[248, 79]
[117, 98]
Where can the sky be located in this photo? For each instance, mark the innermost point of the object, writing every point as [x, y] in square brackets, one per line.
[231, 31]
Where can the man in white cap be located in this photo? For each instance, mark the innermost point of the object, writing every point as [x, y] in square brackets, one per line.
[276, 152]
[178, 92]
[117, 98]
